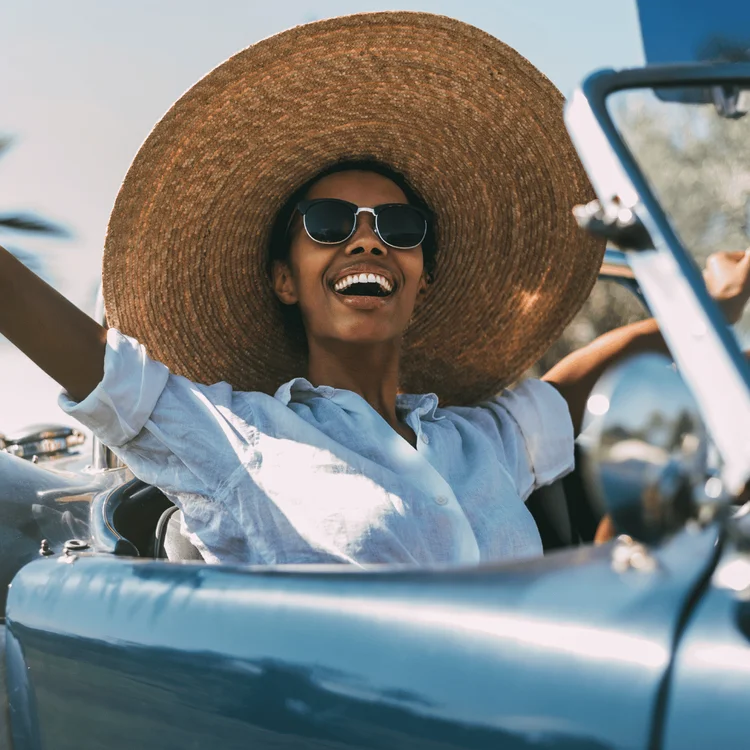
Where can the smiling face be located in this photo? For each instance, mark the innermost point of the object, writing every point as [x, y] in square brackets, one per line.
[315, 273]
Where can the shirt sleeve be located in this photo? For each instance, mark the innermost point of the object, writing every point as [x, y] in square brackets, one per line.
[535, 430]
[159, 423]
[117, 409]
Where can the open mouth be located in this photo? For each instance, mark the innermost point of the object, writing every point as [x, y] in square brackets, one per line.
[364, 285]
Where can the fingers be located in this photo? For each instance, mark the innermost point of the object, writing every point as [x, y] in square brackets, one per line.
[727, 278]
[725, 255]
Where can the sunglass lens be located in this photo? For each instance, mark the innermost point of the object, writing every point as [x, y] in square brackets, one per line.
[401, 226]
[329, 221]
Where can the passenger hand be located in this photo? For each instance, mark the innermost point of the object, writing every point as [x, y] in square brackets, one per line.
[727, 277]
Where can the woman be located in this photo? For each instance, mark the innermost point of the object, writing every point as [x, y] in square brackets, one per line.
[427, 247]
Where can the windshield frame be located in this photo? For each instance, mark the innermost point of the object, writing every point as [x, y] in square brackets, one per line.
[692, 323]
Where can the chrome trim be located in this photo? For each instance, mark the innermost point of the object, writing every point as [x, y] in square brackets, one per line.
[100, 316]
[102, 457]
[43, 441]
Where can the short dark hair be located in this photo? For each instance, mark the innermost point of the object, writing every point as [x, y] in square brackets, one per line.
[280, 241]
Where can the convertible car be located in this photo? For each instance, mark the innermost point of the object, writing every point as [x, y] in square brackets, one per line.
[115, 634]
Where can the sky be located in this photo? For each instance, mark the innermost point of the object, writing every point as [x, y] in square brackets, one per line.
[84, 81]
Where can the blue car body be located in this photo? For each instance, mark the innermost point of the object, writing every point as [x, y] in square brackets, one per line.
[106, 650]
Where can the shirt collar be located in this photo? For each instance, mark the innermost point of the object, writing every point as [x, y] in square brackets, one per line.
[424, 404]
[301, 389]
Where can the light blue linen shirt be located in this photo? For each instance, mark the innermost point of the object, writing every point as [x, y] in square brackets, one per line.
[316, 475]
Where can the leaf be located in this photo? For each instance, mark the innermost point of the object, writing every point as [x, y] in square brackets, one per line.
[31, 223]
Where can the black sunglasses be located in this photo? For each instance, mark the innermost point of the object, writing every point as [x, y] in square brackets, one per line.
[330, 221]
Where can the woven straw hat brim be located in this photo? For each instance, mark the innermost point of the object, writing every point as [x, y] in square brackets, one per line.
[471, 124]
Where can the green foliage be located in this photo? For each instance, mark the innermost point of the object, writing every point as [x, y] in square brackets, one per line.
[698, 166]
[609, 306]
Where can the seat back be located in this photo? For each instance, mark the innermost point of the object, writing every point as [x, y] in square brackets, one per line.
[169, 543]
[549, 507]
[565, 513]
[123, 518]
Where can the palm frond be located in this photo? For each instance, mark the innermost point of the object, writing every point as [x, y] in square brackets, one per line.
[5, 142]
[31, 223]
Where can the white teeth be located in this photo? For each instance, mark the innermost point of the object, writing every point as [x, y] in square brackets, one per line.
[363, 278]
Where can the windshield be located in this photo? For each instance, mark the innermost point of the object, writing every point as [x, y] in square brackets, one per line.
[691, 144]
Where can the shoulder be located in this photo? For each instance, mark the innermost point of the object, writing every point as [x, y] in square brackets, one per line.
[530, 403]
[531, 429]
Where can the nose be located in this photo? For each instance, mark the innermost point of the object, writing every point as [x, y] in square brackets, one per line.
[364, 240]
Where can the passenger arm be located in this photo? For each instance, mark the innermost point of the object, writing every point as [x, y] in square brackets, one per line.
[575, 376]
[727, 277]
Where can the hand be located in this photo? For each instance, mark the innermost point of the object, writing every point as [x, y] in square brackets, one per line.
[727, 277]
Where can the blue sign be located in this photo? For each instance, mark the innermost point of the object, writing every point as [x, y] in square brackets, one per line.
[695, 30]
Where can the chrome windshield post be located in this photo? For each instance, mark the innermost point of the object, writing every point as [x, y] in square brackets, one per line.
[698, 337]
[102, 457]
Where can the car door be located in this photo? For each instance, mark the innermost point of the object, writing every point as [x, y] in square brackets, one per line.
[561, 651]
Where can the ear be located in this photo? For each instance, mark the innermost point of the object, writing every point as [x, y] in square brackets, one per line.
[283, 283]
[424, 283]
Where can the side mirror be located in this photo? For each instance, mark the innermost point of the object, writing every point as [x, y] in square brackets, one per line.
[644, 447]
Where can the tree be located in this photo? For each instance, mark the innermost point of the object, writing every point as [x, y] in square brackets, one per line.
[696, 162]
[698, 166]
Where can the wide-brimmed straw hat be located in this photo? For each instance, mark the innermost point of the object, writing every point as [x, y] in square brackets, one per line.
[470, 123]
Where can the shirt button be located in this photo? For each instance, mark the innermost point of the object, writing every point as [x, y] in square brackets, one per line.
[441, 500]
[424, 439]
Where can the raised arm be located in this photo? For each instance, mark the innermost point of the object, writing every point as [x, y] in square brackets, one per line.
[727, 277]
[575, 376]
[65, 342]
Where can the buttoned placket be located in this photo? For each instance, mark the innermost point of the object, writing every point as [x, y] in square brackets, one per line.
[411, 461]
[441, 491]
[422, 447]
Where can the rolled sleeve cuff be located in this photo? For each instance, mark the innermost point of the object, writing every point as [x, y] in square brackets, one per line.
[118, 408]
[544, 419]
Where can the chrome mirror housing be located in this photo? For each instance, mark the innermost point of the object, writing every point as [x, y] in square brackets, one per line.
[645, 448]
